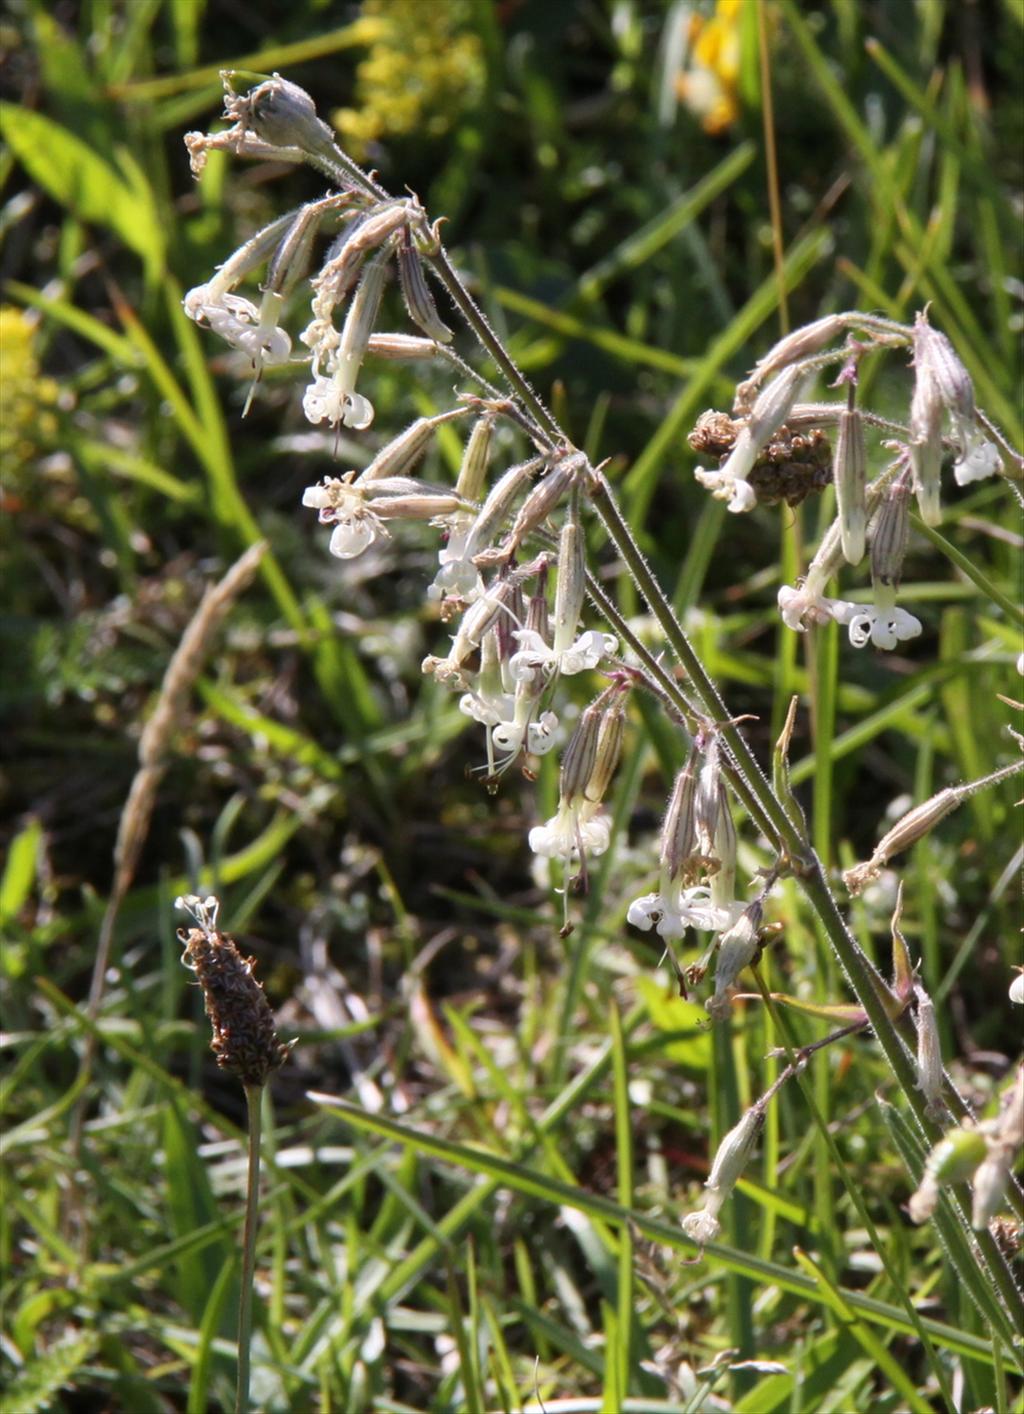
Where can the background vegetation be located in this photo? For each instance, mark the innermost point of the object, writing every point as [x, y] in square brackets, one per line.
[502, 1224]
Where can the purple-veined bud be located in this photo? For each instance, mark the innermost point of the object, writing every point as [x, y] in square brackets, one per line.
[475, 458]
[580, 754]
[498, 504]
[419, 299]
[541, 500]
[679, 828]
[890, 532]
[609, 751]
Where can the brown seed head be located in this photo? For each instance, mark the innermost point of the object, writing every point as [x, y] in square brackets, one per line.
[244, 1038]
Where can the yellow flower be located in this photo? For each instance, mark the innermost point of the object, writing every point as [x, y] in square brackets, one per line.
[708, 86]
[27, 421]
[423, 69]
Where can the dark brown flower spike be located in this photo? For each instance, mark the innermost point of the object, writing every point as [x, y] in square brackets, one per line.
[244, 1038]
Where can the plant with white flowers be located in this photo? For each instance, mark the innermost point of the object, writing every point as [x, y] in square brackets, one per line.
[513, 579]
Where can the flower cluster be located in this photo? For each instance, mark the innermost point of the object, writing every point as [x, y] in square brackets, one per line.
[770, 449]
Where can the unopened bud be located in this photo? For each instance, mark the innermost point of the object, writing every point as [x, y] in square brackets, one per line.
[497, 506]
[929, 1053]
[723, 880]
[544, 496]
[800, 344]
[953, 1159]
[906, 831]
[989, 1184]
[473, 467]
[850, 481]
[936, 360]
[419, 299]
[282, 114]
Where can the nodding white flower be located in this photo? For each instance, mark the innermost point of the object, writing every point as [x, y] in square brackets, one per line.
[884, 624]
[458, 577]
[240, 323]
[1017, 989]
[579, 657]
[333, 399]
[571, 833]
[805, 603]
[511, 724]
[340, 504]
[724, 485]
[675, 909]
[978, 456]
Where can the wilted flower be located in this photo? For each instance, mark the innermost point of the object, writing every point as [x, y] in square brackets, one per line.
[731, 1159]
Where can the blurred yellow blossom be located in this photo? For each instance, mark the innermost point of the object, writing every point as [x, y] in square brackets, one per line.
[709, 84]
[423, 69]
[27, 400]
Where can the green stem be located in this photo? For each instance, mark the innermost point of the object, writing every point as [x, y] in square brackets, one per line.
[253, 1099]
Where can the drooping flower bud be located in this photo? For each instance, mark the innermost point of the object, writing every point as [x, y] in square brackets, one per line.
[737, 949]
[282, 114]
[571, 584]
[731, 1159]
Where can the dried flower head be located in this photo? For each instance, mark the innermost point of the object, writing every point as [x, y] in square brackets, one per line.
[244, 1039]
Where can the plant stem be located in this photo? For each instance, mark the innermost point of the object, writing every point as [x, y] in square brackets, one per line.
[863, 978]
[253, 1101]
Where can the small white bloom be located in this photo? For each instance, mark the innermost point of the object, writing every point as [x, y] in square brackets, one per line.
[805, 603]
[508, 734]
[675, 909]
[340, 504]
[458, 576]
[238, 321]
[884, 624]
[701, 1227]
[978, 457]
[328, 398]
[725, 485]
[579, 657]
[1017, 989]
[567, 833]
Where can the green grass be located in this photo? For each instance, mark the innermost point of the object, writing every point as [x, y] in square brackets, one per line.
[477, 1158]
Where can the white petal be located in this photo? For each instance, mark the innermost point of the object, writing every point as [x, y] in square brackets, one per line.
[351, 537]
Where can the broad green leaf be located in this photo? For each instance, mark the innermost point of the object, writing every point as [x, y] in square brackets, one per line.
[76, 176]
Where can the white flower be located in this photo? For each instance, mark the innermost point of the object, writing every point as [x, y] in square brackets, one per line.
[802, 603]
[458, 575]
[330, 399]
[340, 504]
[579, 657]
[725, 485]
[978, 456]
[701, 1227]
[675, 909]
[238, 321]
[569, 832]
[1017, 989]
[884, 624]
[540, 735]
